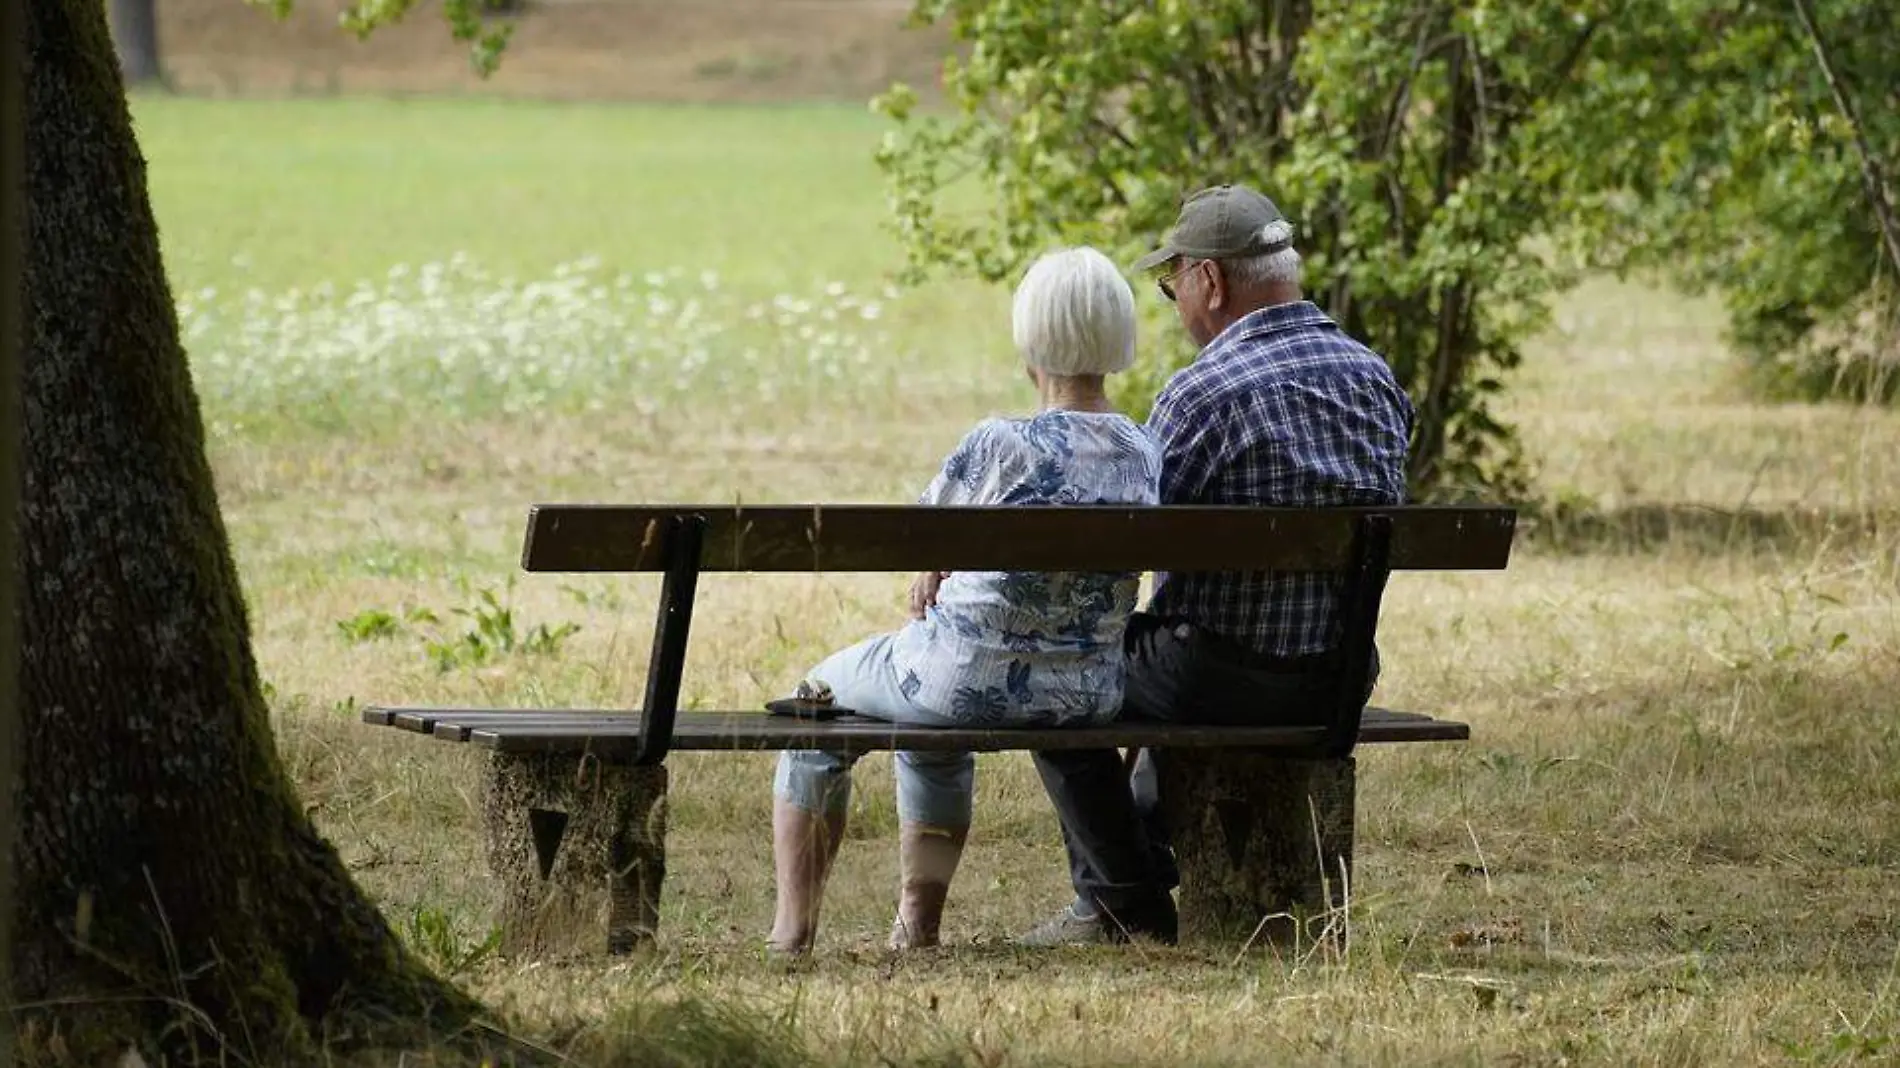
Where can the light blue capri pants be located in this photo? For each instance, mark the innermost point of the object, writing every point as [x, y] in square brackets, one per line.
[935, 788]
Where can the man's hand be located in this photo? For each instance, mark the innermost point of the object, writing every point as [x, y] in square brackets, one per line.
[923, 592]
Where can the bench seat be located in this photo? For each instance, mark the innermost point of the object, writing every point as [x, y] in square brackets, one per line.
[612, 734]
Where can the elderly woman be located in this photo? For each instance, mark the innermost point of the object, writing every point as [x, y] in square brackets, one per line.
[989, 649]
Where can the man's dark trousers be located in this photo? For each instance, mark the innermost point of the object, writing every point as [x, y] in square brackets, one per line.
[1112, 824]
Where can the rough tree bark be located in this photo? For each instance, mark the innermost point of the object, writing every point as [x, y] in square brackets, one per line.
[168, 882]
[12, 172]
[135, 37]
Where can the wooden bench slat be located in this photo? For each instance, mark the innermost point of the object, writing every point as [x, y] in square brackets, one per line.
[425, 720]
[610, 733]
[431, 720]
[806, 538]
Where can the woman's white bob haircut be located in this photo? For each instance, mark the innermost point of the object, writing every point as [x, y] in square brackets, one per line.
[1075, 315]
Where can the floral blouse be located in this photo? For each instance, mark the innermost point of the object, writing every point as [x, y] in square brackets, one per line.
[1031, 648]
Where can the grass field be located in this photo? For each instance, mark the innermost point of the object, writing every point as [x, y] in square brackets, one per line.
[1673, 839]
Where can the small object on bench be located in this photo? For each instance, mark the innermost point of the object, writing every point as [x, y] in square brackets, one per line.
[1262, 817]
[804, 708]
[812, 699]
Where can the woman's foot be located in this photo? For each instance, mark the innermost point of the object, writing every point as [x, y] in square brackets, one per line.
[902, 940]
[803, 845]
[927, 860]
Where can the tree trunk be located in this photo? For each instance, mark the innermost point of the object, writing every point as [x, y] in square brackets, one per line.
[12, 235]
[1453, 347]
[135, 35]
[168, 882]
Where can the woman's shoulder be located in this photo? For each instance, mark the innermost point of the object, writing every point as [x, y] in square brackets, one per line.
[1110, 423]
[1007, 433]
[990, 442]
[1059, 431]
[1121, 432]
[986, 434]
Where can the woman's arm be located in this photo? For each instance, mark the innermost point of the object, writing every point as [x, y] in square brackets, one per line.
[923, 592]
[966, 468]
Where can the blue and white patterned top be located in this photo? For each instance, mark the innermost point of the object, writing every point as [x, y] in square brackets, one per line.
[1282, 409]
[1031, 648]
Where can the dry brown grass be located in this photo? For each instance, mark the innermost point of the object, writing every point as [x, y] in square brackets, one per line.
[1673, 838]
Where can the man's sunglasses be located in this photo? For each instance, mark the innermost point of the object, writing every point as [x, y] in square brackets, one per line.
[1165, 283]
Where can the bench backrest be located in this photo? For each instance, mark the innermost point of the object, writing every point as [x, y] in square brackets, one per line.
[597, 538]
[1362, 545]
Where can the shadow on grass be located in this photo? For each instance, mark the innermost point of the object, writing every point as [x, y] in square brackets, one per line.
[707, 1031]
[691, 1032]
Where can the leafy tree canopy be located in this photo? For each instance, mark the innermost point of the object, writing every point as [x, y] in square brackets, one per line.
[1452, 163]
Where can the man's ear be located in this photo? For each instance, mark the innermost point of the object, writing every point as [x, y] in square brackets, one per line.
[1216, 286]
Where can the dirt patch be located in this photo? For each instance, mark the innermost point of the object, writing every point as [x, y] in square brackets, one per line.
[694, 51]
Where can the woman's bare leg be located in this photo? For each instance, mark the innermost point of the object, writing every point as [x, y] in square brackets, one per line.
[804, 844]
[927, 860]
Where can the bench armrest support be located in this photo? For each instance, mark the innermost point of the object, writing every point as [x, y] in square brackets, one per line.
[683, 537]
[1364, 589]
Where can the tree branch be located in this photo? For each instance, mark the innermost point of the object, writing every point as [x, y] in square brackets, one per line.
[1402, 99]
[1103, 171]
[1870, 173]
[1572, 57]
[1479, 99]
[1204, 91]
[1114, 131]
[1250, 75]
[1509, 115]
[1453, 347]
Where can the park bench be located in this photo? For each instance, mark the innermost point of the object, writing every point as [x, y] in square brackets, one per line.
[1261, 817]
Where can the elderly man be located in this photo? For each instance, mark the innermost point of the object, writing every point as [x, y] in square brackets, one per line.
[1280, 408]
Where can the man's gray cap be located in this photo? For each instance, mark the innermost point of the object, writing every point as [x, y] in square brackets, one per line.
[1220, 223]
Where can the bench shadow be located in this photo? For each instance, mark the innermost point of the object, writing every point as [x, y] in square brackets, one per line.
[1637, 528]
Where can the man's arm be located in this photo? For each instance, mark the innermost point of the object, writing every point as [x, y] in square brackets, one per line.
[1191, 433]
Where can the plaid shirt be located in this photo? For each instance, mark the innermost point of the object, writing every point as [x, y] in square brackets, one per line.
[1282, 409]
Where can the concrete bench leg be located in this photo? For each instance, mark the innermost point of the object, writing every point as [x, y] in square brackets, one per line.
[579, 848]
[1259, 835]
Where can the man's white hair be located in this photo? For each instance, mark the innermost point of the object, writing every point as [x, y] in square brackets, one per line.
[1075, 315]
[1281, 266]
